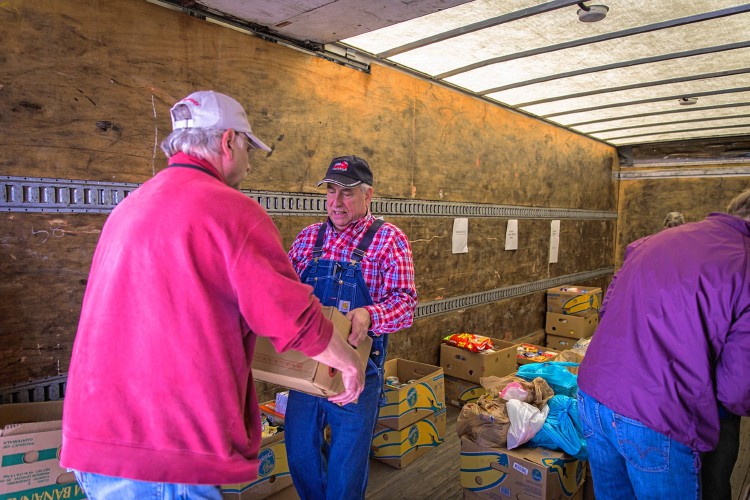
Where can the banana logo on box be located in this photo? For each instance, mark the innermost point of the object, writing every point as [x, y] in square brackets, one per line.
[477, 471]
[388, 443]
[562, 468]
[420, 397]
[472, 394]
[581, 303]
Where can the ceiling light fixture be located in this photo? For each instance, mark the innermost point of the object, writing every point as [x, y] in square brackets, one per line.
[687, 101]
[592, 13]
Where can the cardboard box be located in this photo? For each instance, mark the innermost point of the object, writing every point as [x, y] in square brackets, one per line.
[414, 401]
[399, 448]
[295, 370]
[525, 472]
[577, 327]
[532, 353]
[573, 300]
[560, 343]
[459, 392]
[471, 366]
[30, 443]
[273, 473]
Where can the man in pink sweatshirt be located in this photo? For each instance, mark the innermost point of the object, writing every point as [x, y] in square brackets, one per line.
[160, 399]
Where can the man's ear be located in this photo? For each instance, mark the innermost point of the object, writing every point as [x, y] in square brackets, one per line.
[226, 142]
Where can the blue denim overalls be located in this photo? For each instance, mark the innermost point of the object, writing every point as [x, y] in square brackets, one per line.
[339, 471]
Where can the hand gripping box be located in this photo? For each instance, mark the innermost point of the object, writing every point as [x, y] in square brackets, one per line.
[273, 473]
[524, 472]
[573, 300]
[576, 327]
[295, 370]
[423, 396]
[30, 443]
[399, 448]
[471, 366]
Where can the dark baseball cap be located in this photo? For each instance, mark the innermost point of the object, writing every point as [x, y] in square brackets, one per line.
[348, 171]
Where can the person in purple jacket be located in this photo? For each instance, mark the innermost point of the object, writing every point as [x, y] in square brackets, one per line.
[672, 350]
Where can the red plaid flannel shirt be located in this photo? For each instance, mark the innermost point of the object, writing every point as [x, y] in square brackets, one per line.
[387, 266]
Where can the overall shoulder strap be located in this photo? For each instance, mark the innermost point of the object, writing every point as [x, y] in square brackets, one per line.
[364, 244]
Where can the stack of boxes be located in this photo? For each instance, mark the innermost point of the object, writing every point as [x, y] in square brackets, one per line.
[464, 368]
[412, 422]
[572, 314]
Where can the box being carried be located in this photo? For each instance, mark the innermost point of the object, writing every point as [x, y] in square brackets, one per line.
[30, 443]
[524, 472]
[423, 396]
[471, 366]
[459, 392]
[573, 300]
[295, 370]
[399, 448]
[576, 327]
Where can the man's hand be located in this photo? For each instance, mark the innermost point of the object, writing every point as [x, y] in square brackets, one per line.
[344, 358]
[361, 323]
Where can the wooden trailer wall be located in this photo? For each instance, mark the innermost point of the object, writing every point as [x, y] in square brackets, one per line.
[85, 92]
[647, 195]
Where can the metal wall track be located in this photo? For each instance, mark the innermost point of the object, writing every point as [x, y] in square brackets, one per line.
[739, 171]
[46, 389]
[489, 296]
[29, 194]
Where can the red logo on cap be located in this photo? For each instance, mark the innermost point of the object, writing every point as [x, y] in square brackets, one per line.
[192, 100]
[342, 165]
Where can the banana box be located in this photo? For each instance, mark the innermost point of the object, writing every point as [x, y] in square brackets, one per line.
[466, 365]
[574, 300]
[576, 327]
[399, 448]
[419, 392]
[524, 472]
[459, 392]
[30, 444]
[273, 473]
[295, 370]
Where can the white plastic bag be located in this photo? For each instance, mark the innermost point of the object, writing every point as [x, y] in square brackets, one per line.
[525, 422]
[514, 390]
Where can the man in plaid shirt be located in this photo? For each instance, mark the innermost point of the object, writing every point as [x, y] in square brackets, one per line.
[363, 266]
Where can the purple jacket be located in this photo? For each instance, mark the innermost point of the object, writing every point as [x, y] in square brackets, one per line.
[674, 337]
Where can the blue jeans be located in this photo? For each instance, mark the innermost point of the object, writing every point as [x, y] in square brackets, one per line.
[628, 460]
[100, 487]
[339, 471]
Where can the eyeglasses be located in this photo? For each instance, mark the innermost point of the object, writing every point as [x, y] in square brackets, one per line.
[250, 146]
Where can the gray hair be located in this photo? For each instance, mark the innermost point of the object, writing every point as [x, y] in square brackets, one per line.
[201, 142]
[740, 205]
[674, 219]
[364, 187]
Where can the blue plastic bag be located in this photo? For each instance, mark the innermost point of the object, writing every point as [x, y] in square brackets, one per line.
[562, 428]
[557, 376]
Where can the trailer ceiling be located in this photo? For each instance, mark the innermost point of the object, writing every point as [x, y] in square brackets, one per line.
[650, 72]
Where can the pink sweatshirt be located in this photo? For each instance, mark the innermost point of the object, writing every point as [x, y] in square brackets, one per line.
[186, 273]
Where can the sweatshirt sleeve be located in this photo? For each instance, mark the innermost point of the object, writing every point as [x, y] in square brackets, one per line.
[272, 300]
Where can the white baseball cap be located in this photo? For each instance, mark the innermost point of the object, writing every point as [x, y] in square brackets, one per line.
[209, 109]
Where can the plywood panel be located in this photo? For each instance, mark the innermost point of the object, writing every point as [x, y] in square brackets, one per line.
[45, 263]
[97, 108]
[644, 203]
